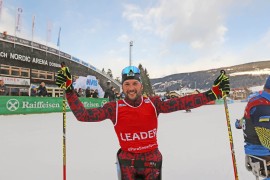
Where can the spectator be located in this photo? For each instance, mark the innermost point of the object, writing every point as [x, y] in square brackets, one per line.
[95, 94]
[33, 91]
[91, 92]
[80, 92]
[42, 90]
[122, 95]
[109, 93]
[117, 96]
[88, 92]
[3, 88]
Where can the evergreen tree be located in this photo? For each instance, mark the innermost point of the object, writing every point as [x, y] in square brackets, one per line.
[118, 79]
[167, 90]
[109, 72]
[147, 87]
[148, 83]
[103, 71]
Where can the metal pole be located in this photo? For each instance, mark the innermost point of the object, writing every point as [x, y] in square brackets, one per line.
[230, 134]
[130, 45]
[15, 29]
[33, 26]
[64, 135]
[231, 139]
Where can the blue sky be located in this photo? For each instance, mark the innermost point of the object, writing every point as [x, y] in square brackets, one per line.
[170, 36]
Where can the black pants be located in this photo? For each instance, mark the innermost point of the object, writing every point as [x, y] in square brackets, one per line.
[140, 166]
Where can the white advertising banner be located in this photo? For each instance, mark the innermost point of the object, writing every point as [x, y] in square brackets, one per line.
[15, 81]
[88, 82]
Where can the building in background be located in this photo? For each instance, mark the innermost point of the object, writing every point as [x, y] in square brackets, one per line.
[28, 64]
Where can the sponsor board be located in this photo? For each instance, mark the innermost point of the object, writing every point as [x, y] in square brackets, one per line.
[35, 105]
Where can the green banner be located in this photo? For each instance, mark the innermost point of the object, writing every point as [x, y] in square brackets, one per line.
[34, 105]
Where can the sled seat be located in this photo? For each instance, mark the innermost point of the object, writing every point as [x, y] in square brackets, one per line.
[259, 166]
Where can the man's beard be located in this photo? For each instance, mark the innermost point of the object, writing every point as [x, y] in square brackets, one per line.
[134, 98]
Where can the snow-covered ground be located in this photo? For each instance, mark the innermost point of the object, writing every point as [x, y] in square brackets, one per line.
[195, 146]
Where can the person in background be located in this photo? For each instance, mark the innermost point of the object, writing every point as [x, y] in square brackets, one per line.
[33, 91]
[3, 88]
[88, 92]
[135, 120]
[117, 96]
[80, 92]
[256, 129]
[95, 94]
[91, 92]
[42, 90]
[122, 95]
[109, 93]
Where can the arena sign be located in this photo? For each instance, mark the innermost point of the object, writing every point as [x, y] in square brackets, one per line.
[35, 105]
[27, 59]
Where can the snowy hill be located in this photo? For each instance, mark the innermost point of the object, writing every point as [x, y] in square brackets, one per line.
[241, 76]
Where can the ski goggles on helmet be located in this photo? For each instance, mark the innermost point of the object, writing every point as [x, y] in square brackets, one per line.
[131, 72]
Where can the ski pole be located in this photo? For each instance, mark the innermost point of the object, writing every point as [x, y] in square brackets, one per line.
[230, 134]
[64, 135]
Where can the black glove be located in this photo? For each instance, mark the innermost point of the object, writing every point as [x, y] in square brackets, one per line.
[220, 88]
[64, 79]
[224, 86]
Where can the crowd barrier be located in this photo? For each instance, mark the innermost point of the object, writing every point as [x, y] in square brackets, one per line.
[34, 105]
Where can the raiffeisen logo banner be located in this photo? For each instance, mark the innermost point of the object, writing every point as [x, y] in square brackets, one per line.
[33, 105]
